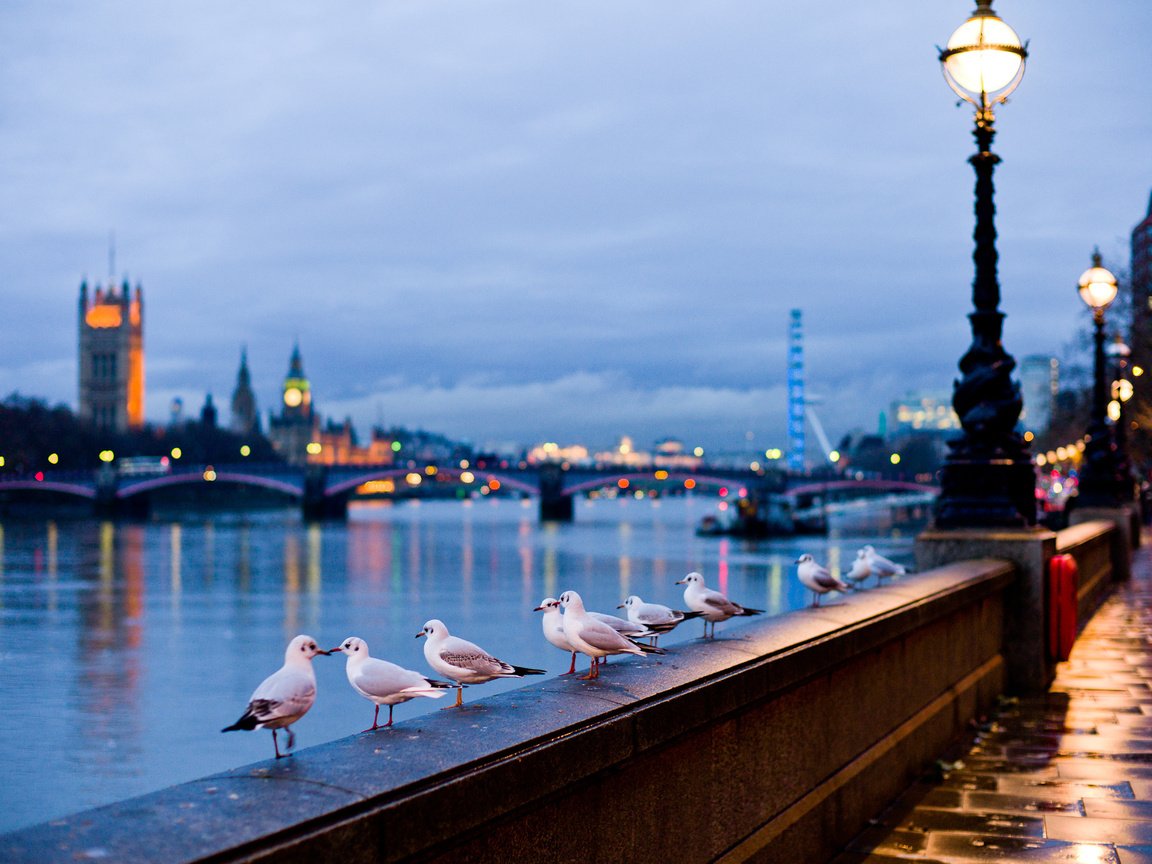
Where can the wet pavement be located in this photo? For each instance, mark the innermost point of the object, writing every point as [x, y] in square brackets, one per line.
[1065, 777]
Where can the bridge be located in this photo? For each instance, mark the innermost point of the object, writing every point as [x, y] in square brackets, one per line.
[323, 491]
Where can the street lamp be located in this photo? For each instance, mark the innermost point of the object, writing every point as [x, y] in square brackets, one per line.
[1099, 484]
[988, 479]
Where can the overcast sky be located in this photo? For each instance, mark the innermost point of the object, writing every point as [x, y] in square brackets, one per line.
[514, 220]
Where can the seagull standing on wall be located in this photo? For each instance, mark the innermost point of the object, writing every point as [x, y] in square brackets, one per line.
[284, 696]
[817, 579]
[464, 662]
[382, 682]
[657, 618]
[593, 637]
[712, 605]
[553, 624]
[859, 571]
[881, 567]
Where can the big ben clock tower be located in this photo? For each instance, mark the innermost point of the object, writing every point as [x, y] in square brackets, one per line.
[297, 392]
[295, 427]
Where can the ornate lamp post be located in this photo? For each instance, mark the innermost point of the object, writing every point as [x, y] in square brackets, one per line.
[988, 478]
[1099, 483]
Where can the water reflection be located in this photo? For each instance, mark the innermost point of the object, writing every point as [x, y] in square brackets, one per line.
[150, 636]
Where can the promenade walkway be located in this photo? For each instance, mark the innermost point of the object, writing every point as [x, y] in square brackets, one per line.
[1065, 777]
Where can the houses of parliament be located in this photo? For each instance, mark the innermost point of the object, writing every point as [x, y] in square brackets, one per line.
[111, 387]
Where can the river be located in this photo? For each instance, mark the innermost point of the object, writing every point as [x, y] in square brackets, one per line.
[126, 646]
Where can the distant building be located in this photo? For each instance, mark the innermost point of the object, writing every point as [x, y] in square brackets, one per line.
[922, 412]
[297, 425]
[340, 446]
[208, 414]
[1039, 384]
[1141, 336]
[111, 361]
[245, 417]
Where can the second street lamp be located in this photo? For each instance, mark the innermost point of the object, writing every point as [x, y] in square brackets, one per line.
[1099, 484]
[988, 479]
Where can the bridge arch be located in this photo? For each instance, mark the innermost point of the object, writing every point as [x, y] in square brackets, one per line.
[190, 478]
[706, 481]
[346, 485]
[74, 489]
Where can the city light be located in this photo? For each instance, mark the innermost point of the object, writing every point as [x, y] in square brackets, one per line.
[53, 458]
[39, 476]
[698, 452]
[1, 461]
[395, 446]
[894, 458]
[467, 477]
[661, 474]
[107, 455]
[1028, 436]
[1041, 459]
[493, 483]
[834, 456]
[753, 466]
[414, 479]
[314, 448]
[464, 464]
[1113, 410]
[774, 453]
[209, 474]
[623, 483]
[177, 452]
[245, 450]
[430, 470]
[689, 483]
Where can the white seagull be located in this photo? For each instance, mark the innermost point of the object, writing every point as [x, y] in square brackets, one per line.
[553, 624]
[594, 638]
[860, 570]
[712, 605]
[657, 618]
[284, 696]
[382, 682]
[817, 579]
[882, 568]
[464, 662]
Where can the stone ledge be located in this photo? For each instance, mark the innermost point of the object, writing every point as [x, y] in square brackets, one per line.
[515, 750]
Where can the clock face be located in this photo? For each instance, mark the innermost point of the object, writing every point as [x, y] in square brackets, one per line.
[293, 397]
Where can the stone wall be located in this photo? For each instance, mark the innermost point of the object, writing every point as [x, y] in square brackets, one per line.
[775, 742]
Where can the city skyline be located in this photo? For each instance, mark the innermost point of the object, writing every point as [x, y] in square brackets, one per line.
[508, 223]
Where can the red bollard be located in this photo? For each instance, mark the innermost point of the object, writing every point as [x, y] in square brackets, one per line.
[1063, 584]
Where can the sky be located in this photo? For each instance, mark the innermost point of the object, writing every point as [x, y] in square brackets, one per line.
[510, 221]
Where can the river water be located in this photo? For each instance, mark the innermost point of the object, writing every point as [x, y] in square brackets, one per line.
[127, 646]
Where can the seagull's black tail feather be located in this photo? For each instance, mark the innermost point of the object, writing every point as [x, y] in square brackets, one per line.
[524, 670]
[246, 723]
[647, 649]
[443, 685]
[747, 611]
[688, 615]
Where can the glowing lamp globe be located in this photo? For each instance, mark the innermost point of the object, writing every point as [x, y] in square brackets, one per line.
[984, 59]
[1097, 285]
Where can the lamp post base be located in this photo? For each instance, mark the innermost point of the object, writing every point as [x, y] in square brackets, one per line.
[999, 493]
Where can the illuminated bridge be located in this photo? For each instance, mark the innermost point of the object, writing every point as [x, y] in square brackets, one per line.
[324, 491]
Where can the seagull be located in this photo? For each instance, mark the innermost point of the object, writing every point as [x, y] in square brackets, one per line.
[881, 567]
[712, 605]
[627, 628]
[817, 579]
[593, 637]
[464, 662]
[860, 570]
[657, 618]
[284, 696]
[553, 623]
[382, 682]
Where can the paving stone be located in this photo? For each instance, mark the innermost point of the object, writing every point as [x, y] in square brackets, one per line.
[1135, 854]
[996, 850]
[1104, 809]
[1083, 829]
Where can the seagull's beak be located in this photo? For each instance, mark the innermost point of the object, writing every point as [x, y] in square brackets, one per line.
[334, 650]
[621, 606]
[681, 581]
[421, 633]
[538, 609]
[325, 653]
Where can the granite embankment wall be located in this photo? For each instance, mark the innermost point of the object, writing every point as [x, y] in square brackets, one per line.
[775, 742]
